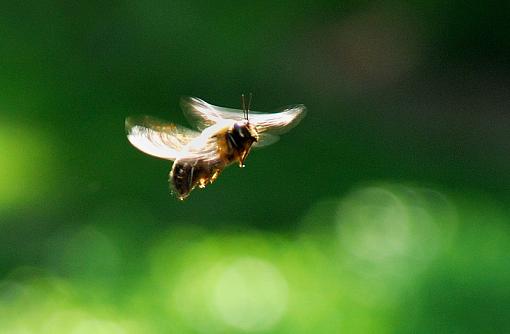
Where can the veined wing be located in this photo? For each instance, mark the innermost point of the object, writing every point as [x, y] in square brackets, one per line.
[158, 138]
[203, 115]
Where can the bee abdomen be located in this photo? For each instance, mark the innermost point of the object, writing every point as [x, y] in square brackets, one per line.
[181, 178]
[187, 174]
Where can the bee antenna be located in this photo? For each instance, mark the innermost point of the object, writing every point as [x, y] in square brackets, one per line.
[249, 105]
[243, 105]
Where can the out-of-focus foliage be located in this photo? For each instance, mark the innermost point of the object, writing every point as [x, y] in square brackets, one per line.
[385, 211]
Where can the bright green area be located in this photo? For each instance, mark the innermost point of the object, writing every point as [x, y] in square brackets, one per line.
[385, 211]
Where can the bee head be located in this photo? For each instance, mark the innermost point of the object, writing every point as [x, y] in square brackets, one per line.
[245, 131]
[241, 137]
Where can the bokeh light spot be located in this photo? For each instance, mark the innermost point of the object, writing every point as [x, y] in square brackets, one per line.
[373, 224]
[251, 294]
[393, 229]
[26, 164]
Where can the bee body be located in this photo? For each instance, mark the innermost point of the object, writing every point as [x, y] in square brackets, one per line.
[233, 143]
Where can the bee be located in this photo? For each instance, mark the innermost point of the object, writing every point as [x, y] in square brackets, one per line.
[223, 136]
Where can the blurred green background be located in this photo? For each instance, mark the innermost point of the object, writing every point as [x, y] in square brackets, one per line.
[385, 211]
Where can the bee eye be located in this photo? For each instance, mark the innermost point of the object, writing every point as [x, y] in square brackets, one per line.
[239, 130]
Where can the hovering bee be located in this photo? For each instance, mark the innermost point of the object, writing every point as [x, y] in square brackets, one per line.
[224, 136]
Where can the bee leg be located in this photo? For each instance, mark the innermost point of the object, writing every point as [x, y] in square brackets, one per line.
[243, 157]
[190, 178]
[241, 160]
[202, 183]
[215, 176]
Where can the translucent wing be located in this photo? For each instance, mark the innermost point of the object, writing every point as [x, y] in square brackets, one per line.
[279, 122]
[265, 139]
[203, 115]
[200, 113]
[158, 138]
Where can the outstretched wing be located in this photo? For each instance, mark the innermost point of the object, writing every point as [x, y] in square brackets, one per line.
[158, 138]
[278, 122]
[265, 139]
[203, 115]
[200, 113]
